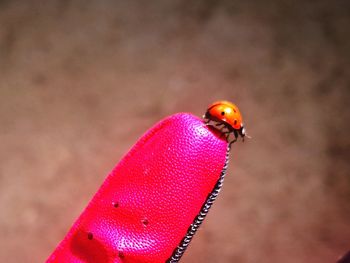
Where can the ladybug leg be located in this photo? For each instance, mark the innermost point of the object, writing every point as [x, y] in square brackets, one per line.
[208, 122]
[231, 142]
[222, 129]
[235, 133]
[220, 124]
[226, 134]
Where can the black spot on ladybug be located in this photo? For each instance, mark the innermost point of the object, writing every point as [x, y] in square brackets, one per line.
[116, 204]
[235, 122]
[90, 236]
[222, 113]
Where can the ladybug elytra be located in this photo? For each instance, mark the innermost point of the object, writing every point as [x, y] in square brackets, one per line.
[227, 118]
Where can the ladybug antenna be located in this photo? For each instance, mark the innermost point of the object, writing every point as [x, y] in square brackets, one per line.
[246, 135]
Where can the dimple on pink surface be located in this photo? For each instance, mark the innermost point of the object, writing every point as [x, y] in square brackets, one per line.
[146, 204]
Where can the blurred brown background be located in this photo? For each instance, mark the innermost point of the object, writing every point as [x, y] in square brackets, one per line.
[80, 81]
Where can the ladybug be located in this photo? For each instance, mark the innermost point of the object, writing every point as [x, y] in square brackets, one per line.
[227, 118]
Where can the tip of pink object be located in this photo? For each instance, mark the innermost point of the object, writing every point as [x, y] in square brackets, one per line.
[151, 204]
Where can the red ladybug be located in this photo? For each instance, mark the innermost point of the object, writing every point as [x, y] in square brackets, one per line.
[227, 118]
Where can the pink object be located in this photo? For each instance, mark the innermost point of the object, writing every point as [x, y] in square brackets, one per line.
[145, 207]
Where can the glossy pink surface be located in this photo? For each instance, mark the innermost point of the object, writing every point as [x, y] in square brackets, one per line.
[146, 204]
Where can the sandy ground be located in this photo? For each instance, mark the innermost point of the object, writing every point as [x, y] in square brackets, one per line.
[80, 81]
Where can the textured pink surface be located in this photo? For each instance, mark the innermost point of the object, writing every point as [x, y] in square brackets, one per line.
[146, 204]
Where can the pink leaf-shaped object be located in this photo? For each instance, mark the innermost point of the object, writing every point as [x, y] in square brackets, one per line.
[153, 201]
